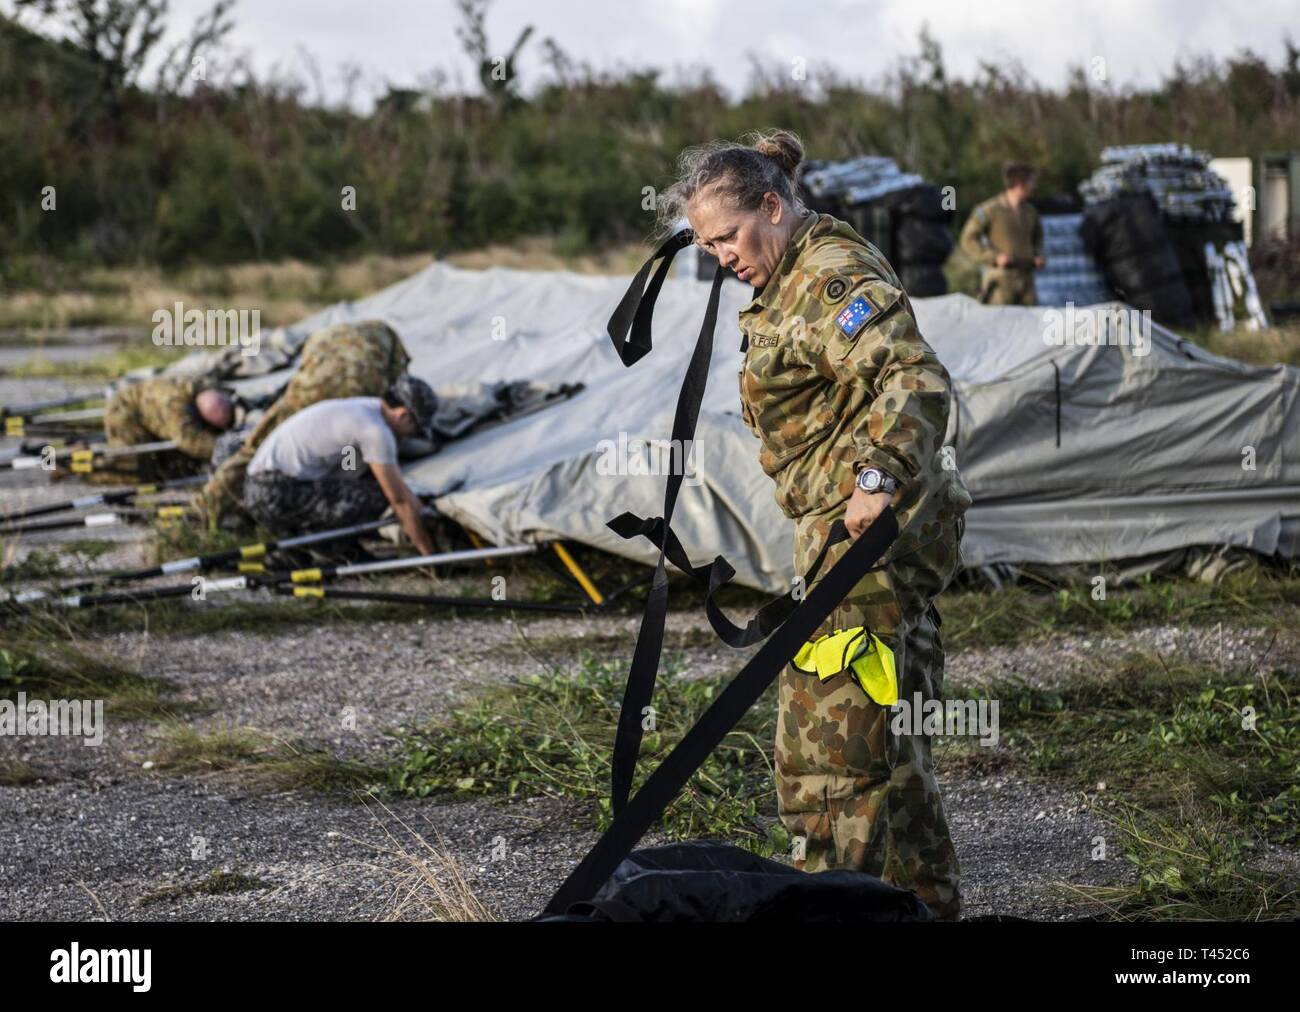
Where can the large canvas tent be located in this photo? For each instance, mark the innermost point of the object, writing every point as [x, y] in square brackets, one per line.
[1074, 453]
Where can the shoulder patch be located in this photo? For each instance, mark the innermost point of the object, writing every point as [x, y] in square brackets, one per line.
[834, 288]
[855, 315]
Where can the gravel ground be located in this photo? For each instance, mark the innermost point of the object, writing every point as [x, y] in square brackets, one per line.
[108, 832]
[68, 852]
[1057, 658]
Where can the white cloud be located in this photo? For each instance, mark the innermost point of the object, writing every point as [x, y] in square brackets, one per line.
[403, 40]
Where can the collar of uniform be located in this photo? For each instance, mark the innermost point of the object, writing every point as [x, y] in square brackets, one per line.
[797, 243]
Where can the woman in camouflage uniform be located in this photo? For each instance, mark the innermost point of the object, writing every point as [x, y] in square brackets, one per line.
[837, 380]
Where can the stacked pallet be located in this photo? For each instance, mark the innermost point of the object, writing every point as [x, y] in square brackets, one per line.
[904, 217]
[1160, 223]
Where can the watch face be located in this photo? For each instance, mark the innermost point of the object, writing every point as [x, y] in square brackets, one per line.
[869, 480]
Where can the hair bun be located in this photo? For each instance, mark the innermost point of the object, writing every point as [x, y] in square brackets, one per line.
[783, 148]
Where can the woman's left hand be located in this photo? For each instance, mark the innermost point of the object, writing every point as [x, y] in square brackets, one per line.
[863, 509]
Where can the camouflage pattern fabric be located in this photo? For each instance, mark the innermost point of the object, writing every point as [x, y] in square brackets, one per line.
[150, 411]
[825, 404]
[996, 227]
[839, 766]
[828, 392]
[345, 360]
[161, 408]
[285, 505]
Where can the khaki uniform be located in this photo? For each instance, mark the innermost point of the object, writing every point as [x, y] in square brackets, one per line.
[345, 360]
[837, 377]
[996, 227]
[153, 410]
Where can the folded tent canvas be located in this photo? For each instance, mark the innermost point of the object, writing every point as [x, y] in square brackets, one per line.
[1157, 451]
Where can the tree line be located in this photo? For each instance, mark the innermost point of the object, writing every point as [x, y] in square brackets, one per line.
[224, 166]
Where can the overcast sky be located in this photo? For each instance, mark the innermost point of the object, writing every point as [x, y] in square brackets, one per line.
[402, 41]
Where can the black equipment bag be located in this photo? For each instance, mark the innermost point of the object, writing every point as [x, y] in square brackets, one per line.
[702, 881]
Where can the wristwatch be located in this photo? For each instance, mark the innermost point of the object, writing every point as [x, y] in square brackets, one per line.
[871, 479]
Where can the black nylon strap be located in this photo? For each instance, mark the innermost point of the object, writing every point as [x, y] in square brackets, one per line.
[649, 644]
[668, 778]
[637, 306]
[719, 572]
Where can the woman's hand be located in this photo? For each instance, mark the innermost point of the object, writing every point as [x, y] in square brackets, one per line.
[863, 509]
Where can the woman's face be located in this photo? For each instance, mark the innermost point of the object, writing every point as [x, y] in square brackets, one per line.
[751, 243]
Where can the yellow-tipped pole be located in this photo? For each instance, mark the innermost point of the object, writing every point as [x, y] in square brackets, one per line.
[573, 567]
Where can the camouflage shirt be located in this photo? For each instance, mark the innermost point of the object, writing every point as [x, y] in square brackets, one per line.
[837, 377]
[158, 409]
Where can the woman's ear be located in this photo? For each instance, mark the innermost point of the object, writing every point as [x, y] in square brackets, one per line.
[773, 207]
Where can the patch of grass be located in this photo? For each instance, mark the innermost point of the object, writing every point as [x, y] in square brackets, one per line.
[426, 881]
[285, 291]
[1260, 347]
[261, 760]
[1196, 772]
[219, 883]
[1193, 868]
[106, 367]
[552, 735]
[182, 540]
[42, 659]
[16, 773]
[1258, 595]
[608, 643]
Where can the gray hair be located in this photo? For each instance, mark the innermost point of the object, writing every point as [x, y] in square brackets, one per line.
[741, 172]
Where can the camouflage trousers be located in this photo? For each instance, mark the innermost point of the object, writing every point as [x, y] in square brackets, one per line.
[1004, 287]
[854, 794]
[285, 505]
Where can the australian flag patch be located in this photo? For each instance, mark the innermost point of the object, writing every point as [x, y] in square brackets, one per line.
[854, 315]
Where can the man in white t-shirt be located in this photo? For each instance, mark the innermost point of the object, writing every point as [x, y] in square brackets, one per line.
[334, 464]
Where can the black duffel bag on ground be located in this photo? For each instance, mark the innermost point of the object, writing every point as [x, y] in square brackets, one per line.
[702, 881]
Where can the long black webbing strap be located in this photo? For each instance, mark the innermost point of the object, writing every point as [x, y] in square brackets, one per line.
[785, 622]
[671, 775]
[633, 315]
